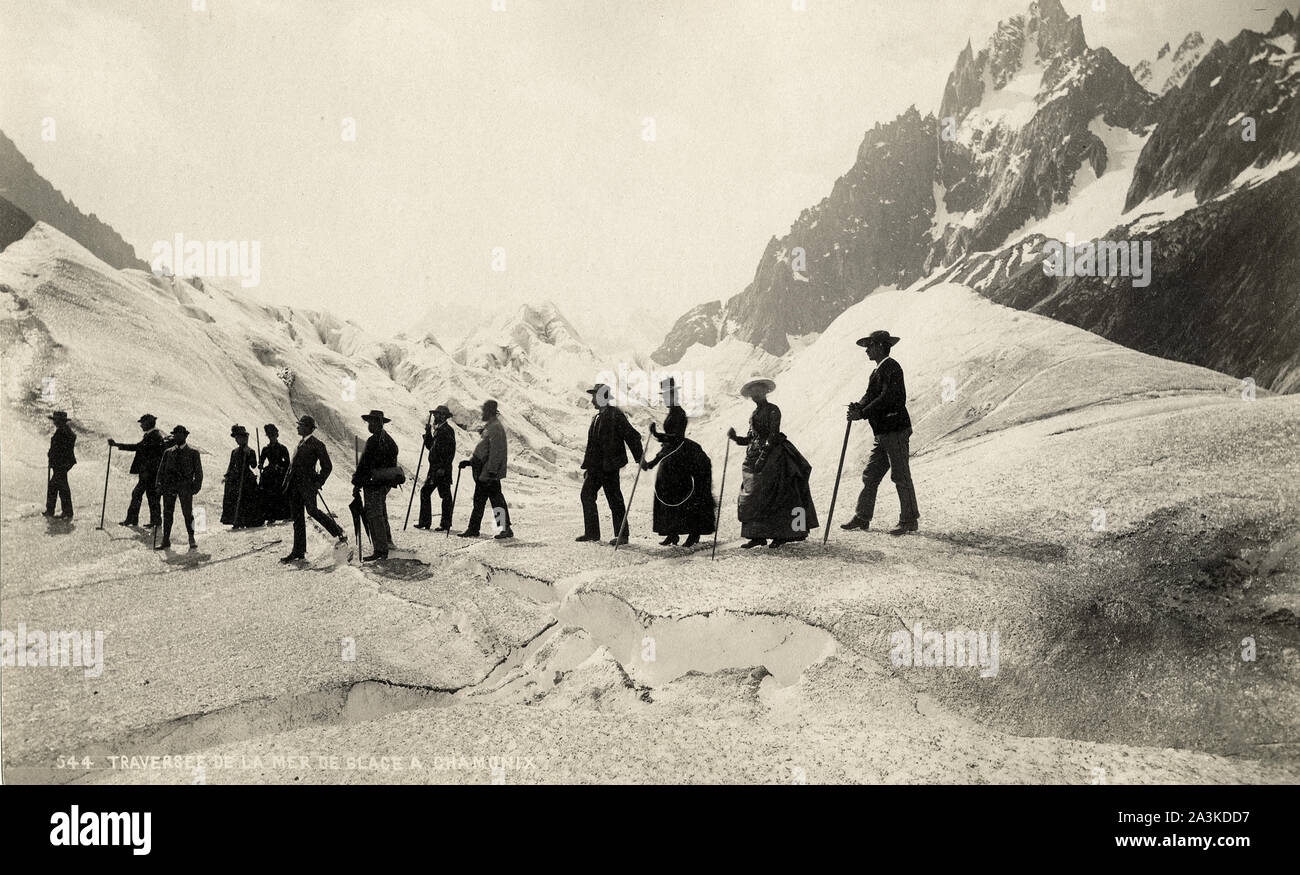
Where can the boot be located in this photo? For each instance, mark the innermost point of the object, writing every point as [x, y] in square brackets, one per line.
[587, 538]
[670, 541]
[904, 528]
[504, 534]
[754, 542]
[856, 523]
[691, 540]
[619, 541]
[468, 534]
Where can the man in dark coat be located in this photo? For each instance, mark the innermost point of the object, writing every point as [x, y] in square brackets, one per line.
[61, 459]
[489, 469]
[180, 476]
[884, 406]
[148, 453]
[606, 436]
[440, 441]
[275, 465]
[302, 482]
[239, 507]
[377, 459]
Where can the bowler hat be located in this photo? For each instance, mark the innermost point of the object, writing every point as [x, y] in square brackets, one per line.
[180, 429]
[149, 418]
[441, 410]
[601, 392]
[308, 420]
[768, 387]
[270, 429]
[879, 336]
[59, 416]
[490, 406]
[375, 414]
[238, 431]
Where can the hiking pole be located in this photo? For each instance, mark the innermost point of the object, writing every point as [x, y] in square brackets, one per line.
[627, 511]
[107, 466]
[416, 481]
[830, 513]
[321, 495]
[453, 500]
[717, 523]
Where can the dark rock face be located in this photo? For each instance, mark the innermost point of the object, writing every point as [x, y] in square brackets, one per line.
[1198, 143]
[1223, 292]
[14, 223]
[1014, 128]
[872, 230]
[29, 193]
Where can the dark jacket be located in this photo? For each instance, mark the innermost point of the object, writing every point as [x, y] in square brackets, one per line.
[884, 405]
[61, 453]
[441, 444]
[491, 452]
[180, 471]
[606, 436]
[380, 452]
[302, 479]
[764, 432]
[275, 459]
[148, 452]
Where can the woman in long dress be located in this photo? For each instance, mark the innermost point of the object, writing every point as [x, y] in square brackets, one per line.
[275, 467]
[240, 507]
[775, 502]
[684, 483]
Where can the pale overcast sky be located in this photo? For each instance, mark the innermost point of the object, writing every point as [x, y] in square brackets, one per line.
[477, 129]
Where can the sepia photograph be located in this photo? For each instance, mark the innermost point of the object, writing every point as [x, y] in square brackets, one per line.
[689, 392]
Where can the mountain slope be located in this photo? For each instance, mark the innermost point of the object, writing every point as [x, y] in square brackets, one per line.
[30, 193]
[1041, 138]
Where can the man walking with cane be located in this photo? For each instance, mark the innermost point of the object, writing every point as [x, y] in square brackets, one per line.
[884, 407]
[148, 453]
[601, 463]
[440, 441]
[489, 468]
[302, 482]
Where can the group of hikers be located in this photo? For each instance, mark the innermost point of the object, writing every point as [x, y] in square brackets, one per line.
[775, 504]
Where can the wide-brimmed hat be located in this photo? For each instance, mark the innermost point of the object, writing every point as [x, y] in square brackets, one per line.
[148, 418]
[441, 410]
[307, 420]
[271, 429]
[375, 415]
[601, 392]
[879, 336]
[59, 416]
[238, 431]
[180, 429]
[768, 387]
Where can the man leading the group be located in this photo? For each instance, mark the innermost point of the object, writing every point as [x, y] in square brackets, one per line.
[884, 406]
[61, 457]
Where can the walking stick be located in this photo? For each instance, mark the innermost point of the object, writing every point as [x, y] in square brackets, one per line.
[453, 500]
[107, 466]
[827, 533]
[717, 523]
[416, 481]
[321, 495]
[627, 511]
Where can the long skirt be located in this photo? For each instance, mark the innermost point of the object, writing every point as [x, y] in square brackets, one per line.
[683, 488]
[275, 502]
[247, 501]
[775, 499]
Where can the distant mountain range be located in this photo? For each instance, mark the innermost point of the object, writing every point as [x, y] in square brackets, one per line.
[1040, 137]
[26, 198]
